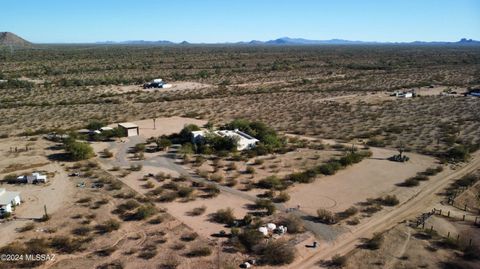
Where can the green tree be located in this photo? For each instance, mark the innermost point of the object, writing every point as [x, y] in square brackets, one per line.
[95, 124]
[79, 150]
[163, 143]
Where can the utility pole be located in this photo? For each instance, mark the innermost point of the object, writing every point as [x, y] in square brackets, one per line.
[45, 209]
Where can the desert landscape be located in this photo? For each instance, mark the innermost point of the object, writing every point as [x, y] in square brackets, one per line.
[322, 156]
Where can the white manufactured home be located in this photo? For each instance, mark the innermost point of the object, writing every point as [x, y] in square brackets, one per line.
[32, 179]
[244, 141]
[8, 200]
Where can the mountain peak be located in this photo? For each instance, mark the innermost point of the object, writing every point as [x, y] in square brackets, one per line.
[11, 39]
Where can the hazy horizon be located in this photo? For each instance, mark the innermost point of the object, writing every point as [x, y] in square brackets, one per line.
[215, 21]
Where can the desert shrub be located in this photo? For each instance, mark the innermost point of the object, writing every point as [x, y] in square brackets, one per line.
[231, 182]
[148, 252]
[136, 167]
[276, 252]
[84, 200]
[129, 205]
[272, 182]
[108, 226]
[163, 143]
[157, 220]
[390, 200]
[293, 223]
[347, 212]
[224, 216]
[265, 204]
[372, 209]
[353, 221]
[258, 161]
[249, 238]
[65, 244]
[338, 260]
[432, 171]
[374, 142]
[410, 182]
[189, 237]
[467, 180]
[250, 170]
[199, 251]
[197, 211]
[282, 197]
[326, 216]
[302, 177]
[216, 177]
[26, 228]
[144, 212]
[171, 186]
[458, 153]
[375, 242]
[158, 190]
[328, 169]
[148, 185]
[421, 177]
[106, 251]
[171, 262]
[10, 178]
[107, 153]
[353, 157]
[212, 189]
[82, 230]
[184, 191]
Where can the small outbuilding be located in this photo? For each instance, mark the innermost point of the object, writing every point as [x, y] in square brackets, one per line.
[129, 129]
[8, 199]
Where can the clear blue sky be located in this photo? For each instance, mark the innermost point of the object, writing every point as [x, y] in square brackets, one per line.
[47, 21]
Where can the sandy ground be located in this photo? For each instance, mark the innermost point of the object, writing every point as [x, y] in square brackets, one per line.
[370, 178]
[423, 201]
[176, 86]
[179, 209]
[400, 249]
[201, 224]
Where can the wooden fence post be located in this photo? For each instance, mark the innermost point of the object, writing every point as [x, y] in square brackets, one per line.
[463, 217]
[448, 235]
[449, 213]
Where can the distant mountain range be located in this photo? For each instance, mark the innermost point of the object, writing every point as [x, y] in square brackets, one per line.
[10, 39]
[295, 41]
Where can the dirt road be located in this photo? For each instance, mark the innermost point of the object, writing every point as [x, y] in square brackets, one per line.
[422, 202]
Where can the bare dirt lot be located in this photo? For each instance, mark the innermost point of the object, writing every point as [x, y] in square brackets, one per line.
[372, 178]
[176, 86]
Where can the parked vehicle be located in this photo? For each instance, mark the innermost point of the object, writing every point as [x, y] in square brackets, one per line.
[156, 83]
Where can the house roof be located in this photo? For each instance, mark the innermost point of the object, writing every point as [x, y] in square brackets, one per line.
[6, 197]
[128, 125]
